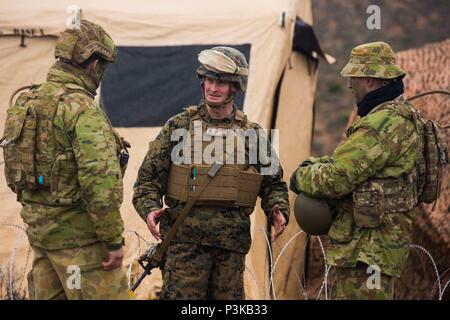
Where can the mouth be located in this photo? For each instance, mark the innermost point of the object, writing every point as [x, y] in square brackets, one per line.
[213, 97]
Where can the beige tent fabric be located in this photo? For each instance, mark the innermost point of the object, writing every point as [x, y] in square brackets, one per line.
[160, 23]
[295, 121]
[296, 104]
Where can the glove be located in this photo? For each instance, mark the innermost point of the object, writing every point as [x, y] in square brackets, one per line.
[293, 183]
[306, 163]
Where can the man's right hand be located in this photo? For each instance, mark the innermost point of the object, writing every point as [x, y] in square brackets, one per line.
[152, 222]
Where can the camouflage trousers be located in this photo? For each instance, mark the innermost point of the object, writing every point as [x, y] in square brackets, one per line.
[196, 272]
[75, 274]
[357, 284]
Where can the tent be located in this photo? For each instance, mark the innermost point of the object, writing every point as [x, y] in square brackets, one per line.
[154, 78]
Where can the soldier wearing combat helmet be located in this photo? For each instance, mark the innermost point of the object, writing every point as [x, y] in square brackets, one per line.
[62, 161]
[371, 181]
[206, 258]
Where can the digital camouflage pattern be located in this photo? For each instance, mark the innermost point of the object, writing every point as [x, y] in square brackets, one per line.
[92, 179]
[375, 59]
[381, 145]
[77, 45]
[192, 271]
[50, 278]
[220, 227]
[352, 284]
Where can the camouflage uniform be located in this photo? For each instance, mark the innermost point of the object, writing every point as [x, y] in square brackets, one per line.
[380, 147]
[76, 220]
[206, 258]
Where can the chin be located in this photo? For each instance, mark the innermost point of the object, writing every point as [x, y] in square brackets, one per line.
[214, 103]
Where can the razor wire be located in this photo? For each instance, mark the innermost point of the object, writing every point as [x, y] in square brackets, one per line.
[11, 259]
[278, 258]
[325, 275]
[422, 249]
[269, 247]
[134, 254]
[430, 297]
[303, 289]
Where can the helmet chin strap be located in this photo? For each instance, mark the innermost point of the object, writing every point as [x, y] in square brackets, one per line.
[96, 74]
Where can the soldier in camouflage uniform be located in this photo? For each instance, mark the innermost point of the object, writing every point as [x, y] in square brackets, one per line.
[371, 179]
[72, 193]
[206, 258]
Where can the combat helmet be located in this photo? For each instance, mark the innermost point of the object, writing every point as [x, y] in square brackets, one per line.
[373, 60]
[314, 216]
[224, 63]
[78, 45]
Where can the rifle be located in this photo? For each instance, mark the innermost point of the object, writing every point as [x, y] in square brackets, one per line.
[145, 261]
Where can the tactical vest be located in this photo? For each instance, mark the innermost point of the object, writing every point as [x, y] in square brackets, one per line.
[36, 156]
[375, 197]
[235, 185]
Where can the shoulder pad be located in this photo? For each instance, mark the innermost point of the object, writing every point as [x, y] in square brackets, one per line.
[193, 112]
[242, 119]
[191, 109]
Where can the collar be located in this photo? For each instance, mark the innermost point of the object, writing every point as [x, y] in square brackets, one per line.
[203, 112]
[379, 96]
[66, 73]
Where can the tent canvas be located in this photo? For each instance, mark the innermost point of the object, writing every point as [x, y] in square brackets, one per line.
[265, 26]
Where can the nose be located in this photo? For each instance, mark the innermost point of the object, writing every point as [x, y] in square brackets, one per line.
[215, 85]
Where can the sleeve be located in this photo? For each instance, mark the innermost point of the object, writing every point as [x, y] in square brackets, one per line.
[99, 174]
[273, 189]
[357, 159]
[152, 177]
[309, 161]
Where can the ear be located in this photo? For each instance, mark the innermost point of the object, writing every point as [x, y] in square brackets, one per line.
[373, 83]
[93, 65]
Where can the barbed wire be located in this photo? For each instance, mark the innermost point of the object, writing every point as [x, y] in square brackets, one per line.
[422, 249]
[136, 249]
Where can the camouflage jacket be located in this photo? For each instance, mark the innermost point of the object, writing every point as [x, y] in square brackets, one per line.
[226, 228]
[382, 144]
[96, 216]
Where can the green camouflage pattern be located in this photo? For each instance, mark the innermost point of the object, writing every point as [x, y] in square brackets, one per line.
[351, 284]
[383, 144]
[240, 60]
[77, 45]
[94, 174]
[51, 278]
[195, 272]
[227, 228]
[375, 60]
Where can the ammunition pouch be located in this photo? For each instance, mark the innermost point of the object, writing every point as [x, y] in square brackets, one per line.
[436, 158]
[231, 187]
[377, 197]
